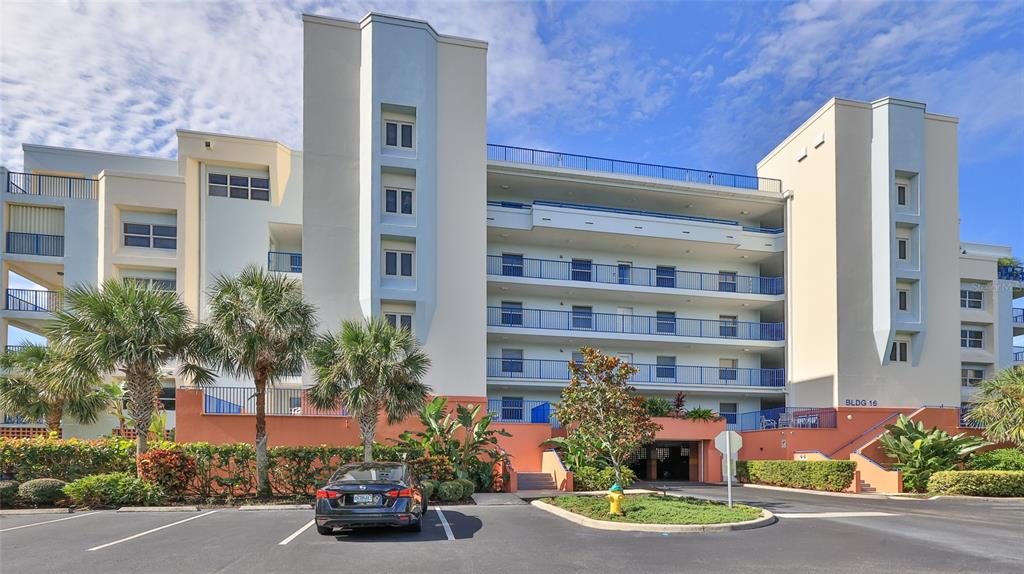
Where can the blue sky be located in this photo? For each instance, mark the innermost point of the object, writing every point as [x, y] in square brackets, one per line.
[711, 85]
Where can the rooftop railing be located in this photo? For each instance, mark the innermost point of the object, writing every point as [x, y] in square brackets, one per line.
[624, 274]
[787, 417]
[35, 244]
[557, 370]
[544, 158]
[658, 214]
[509, 410]
[279, 401]
[33, 300]
[1011, 272]
[670, 326]
[51, 185]
[284, 261]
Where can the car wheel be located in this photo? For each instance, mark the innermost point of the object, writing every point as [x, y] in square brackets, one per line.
[416, 526]
[325, 530]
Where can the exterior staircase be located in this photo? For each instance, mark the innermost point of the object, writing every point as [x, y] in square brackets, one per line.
[536, 481]
[866, 488]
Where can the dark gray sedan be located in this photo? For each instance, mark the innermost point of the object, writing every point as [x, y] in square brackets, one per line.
[370, 494]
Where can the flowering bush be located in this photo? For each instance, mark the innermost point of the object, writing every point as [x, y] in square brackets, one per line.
[172, 469]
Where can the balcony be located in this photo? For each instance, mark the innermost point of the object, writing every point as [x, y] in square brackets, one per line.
[1018, 316]
[627, 275]
[542, 158]
[51, 185]
[786, 417]
[1011, 272]
[284, 261]
[33, 300]
[520, 411]
[1018, 354]
[557, 370]
[279, 401]
[580, 322]
[35, 244]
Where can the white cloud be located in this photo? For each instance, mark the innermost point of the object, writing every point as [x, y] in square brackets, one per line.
[121, 76]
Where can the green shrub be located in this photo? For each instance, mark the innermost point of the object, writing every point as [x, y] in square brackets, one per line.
[437, 468]
[171, 469]
[657, 407]
[588, 478]
[978, 482]
[429, 487]
[450, 491]
[42, 491]
[919, 451]
[468, 487]
[50, 457]
[830, 475]
[8, 492]
[999, 459]
[114, 489]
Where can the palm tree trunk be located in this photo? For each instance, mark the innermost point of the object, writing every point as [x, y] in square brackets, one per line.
[140, 386]
[368, 430]
[262, 471]
[54, 413]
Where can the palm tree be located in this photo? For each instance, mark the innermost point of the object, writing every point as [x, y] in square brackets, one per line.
[122, 326]
[370, 367]
[998, 406]
[30, 389]
[258, 327]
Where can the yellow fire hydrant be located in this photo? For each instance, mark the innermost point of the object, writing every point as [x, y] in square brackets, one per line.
[615, 497]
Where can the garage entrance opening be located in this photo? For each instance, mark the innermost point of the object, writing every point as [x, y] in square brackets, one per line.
[665, 460]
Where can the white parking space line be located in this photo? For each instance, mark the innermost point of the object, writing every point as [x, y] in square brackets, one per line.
[444, 522]
[48, 521]
[295, 534]
[832, 514]
[134, 536]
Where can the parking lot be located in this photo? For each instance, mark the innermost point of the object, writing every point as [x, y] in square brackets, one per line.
[813, 534]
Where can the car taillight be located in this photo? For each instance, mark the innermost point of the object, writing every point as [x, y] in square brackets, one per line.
[327, 494]
[404, 493]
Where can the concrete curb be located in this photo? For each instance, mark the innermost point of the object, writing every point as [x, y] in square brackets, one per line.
[879, 496]
[20, 511]
[766, 519]
[252, 507]
[158, 509]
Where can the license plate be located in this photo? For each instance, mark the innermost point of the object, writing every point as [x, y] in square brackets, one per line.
[362, 498]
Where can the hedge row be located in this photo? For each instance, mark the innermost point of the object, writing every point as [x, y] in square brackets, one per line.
[223, 470]
[978, 482]
[830, 475]
[587, 478]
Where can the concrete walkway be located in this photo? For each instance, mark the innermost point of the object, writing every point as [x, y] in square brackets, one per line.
[497, 499]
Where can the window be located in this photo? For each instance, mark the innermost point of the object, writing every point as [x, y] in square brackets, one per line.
[727, 326]
[295, 405]
[577, 357]
[901, 194]
[727, 369]
[665, 323]
[511, 408]
[903, 249]
[665, 276]
[398, 134]
[399, 320]
[398, 263]
[511, 360]
[665, 368]
[970, 299]
[971, 338]
[147, 235]
[971, 376]
[511, 265]
[903, 297]
[239, 186]
[154, 284]
[398, 201]
[728, 412]
[727, 281]
[625, 273]
[166, 398]
[582, 317]
[511, 313]
[899, 352]
[582, 270]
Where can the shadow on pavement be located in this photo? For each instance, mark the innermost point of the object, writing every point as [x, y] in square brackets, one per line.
[462, 526]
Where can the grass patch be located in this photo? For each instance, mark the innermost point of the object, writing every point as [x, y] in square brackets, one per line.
[655, 509]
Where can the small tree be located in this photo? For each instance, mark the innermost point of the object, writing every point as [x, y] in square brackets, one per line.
[920, 452]
[603, 410]
[999, 406]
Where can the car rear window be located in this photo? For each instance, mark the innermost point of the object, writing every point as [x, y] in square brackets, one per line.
[369, 472]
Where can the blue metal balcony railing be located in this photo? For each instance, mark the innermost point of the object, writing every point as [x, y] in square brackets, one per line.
[1018, 315]
[1018, 354]
[622, 274]
[14, 348]
[509, 410]
[1011, 272]
[967, 424]
[33, 300]
[556, 370]
[51, 185]
[242, 401]
[787, 417]
[631, 324]
[35, 244]
[284, 261]
[589, 163]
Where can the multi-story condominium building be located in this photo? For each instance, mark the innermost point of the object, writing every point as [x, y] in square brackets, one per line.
[828, 279]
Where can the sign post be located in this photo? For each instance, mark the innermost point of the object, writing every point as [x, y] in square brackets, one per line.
[728, 443]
